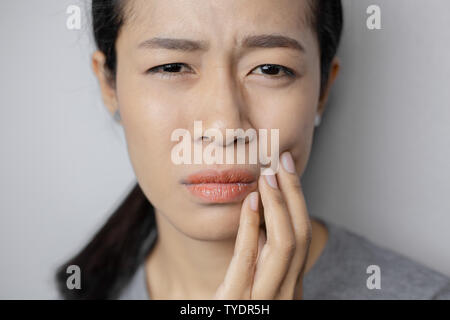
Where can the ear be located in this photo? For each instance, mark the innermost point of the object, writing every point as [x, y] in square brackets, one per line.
[334, 70]
[107, 87]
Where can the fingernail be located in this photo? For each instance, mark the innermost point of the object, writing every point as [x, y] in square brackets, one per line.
[271, 180]
[288, 162]
[254, 201]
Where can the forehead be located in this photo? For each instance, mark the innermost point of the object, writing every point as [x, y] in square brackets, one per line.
[216, 20]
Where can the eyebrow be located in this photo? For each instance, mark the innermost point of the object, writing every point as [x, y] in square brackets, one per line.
[252, 41]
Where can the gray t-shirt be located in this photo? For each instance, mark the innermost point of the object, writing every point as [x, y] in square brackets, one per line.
[342, 272]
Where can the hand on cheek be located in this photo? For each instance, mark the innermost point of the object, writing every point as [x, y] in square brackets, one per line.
[270, 266]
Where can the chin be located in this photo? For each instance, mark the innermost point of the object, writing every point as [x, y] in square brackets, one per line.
[212, 223]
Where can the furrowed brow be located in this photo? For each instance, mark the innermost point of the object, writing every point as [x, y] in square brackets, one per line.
[174, 44]
[253, 41]
[272, 41]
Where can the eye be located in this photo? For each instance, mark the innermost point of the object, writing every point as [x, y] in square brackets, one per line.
[168, 70]
[173, 70]
[273, 69]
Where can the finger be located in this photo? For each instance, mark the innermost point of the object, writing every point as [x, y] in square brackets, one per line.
[239, 276]
[261, 241]
[290, 186]
[276, 254]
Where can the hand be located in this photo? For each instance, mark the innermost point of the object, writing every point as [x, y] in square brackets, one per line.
[271, 269]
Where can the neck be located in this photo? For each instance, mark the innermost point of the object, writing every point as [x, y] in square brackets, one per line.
[180, 267]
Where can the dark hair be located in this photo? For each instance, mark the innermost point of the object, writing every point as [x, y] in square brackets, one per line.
[113, 254]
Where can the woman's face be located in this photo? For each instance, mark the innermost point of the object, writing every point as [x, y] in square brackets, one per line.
[221, 81]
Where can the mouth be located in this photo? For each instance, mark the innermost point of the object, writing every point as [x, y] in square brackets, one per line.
[226, 186]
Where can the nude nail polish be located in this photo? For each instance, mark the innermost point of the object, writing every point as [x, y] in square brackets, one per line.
[288, 162]
[272, 180]
[254, 201]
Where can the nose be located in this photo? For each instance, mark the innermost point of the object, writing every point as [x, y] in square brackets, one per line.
[222, 107]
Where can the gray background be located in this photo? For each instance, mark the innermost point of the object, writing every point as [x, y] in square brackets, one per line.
[380, 164]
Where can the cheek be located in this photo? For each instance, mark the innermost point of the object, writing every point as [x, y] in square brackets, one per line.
[292, 113]
[147, 116]
[148, 124]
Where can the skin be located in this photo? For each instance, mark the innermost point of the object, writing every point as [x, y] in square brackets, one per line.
[222, 251]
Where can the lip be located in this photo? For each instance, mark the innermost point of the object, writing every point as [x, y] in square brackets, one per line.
[221, 186]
